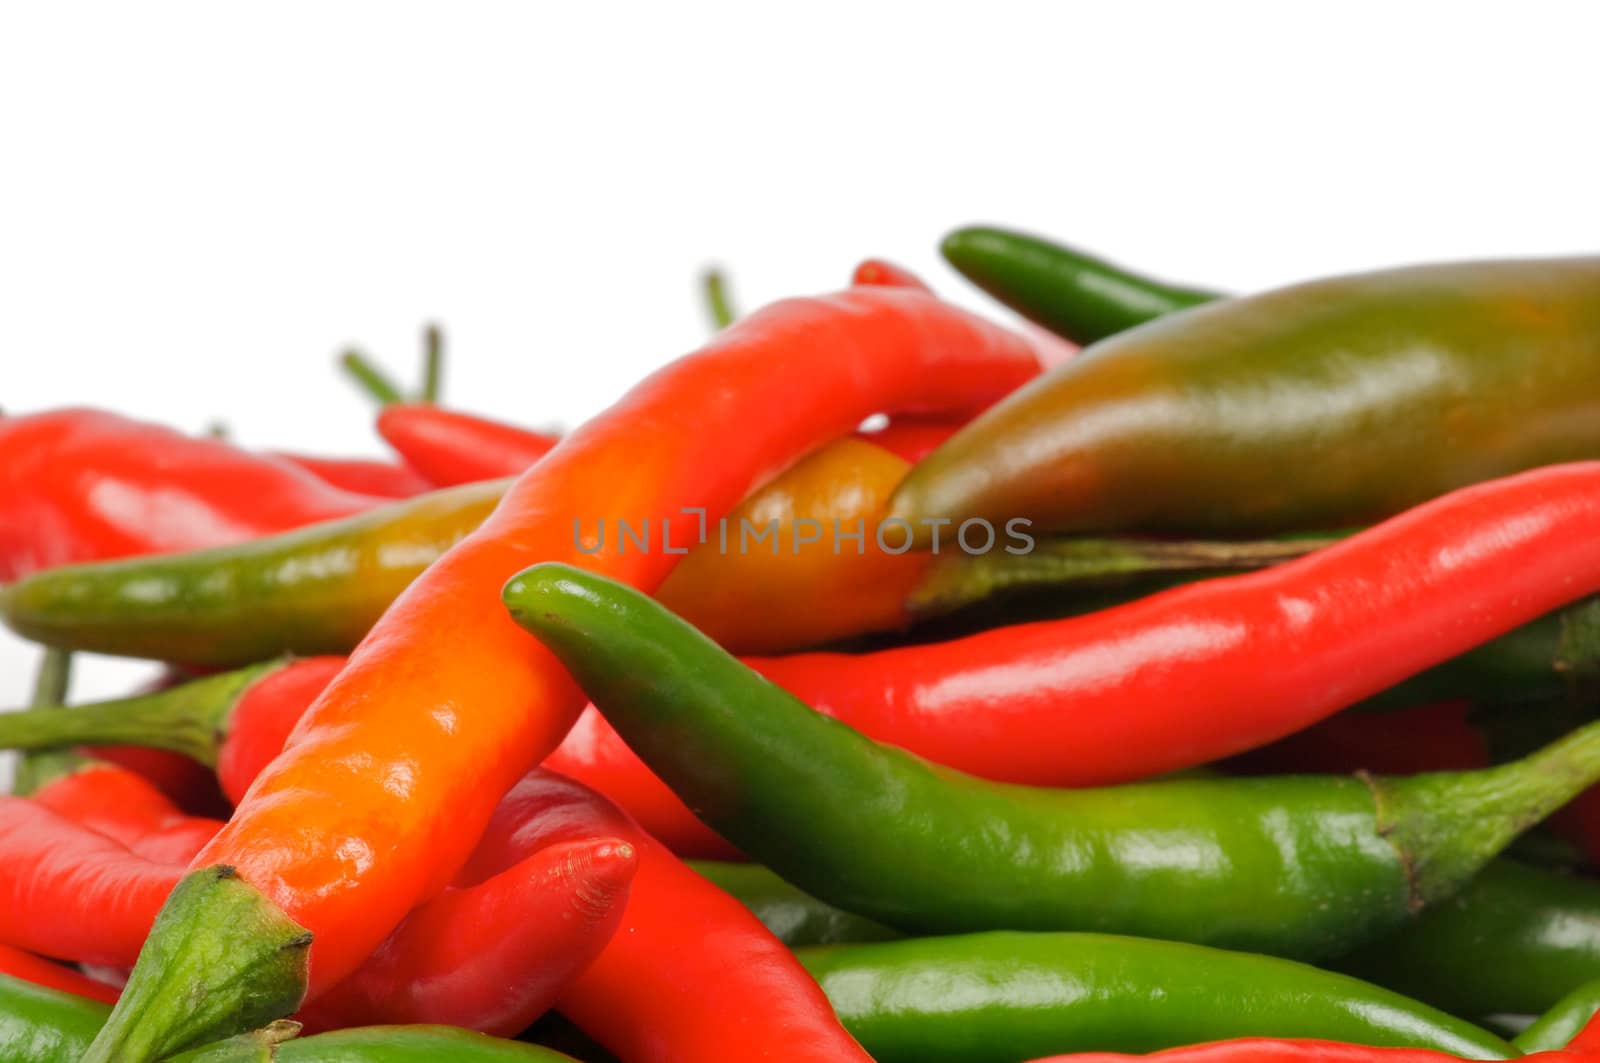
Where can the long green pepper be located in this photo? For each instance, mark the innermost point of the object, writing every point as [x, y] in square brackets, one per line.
[1301, 866]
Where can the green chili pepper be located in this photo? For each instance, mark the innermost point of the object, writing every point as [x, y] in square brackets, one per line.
[1004, 996]
[1552, 1030]
[1514, 941]
[39, 1025]
[794, 916]
[375, 1044]
[1325, 404]
[1299, 867]
[1068, 292]
[313, 590]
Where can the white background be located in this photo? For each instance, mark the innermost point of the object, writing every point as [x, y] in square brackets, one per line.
[200, 204]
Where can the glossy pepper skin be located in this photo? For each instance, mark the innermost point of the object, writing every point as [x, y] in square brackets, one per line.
[1075, 295]
[85, 485]
[785, 379]
[1515, 940]
[1203, 671]
[1004, 996]
[1298, 866]
[447, 447]
[1565, 1020]
[691, 975]
[40, 1024]
[1322, 405]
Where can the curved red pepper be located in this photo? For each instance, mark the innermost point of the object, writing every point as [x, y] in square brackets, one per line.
[68, 892]
[449, 448]
[691, 975]
[84, 485]
[129, 809]
[491, 956]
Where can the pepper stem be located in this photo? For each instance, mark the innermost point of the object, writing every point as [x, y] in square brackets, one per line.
[369, 378]
[1447, 825]
[718, 303]
[187, 719]
[54, 678]
[221, 959]
[51, 685]
[432, 363]
[958, 579]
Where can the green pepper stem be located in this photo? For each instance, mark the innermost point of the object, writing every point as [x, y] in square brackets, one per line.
[369, 378]
[54, 678]
[221, 959]
[432, 363]
[959, 579]
[187, 719]
[1447, 825]
[718, 303]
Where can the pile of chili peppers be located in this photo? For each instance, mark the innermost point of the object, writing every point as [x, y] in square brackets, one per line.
[877, 682]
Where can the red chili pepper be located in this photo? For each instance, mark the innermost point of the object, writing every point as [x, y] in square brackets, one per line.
[783, 380]
[379, 479]
[68, 892]
[911, 438]
[691, 975]
[489, 953]
[491, 956]
[880, 272]
[449, 448]
[129, 809]
[262, 719]
[190, 786]
[19, 963]
[83, 485]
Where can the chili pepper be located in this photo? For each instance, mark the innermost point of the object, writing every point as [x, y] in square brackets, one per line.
[1004, 996]
[786, 379]
[52, 869]
[794, 917]
[40, 1024]
[379, 479]
[1075, 295]
[1207, 670]
[880, 272]
[375, 1044]
[43, 1025]
[690, 975]
[1564, 1021]
[36, 970]
[1513, 941]
[317, 590]
[449, 961]
[448, 447]
[489, 953]
[84, 485]
[1395, 387]
[1314, 864]
[313, 590]
[124, 807]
